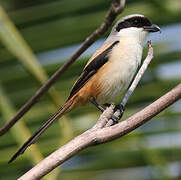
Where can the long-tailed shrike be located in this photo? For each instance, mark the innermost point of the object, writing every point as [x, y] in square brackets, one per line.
[108, 72]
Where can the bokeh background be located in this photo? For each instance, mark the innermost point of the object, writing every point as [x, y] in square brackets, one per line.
[36, 37]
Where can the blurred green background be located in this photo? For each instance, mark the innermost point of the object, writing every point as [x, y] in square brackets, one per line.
[36, 37]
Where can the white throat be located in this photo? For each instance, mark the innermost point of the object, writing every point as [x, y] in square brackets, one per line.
[138, 34]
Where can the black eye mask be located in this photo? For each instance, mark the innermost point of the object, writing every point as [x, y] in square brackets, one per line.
[136, 21]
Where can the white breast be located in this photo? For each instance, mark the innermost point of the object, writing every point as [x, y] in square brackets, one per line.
[124, 61]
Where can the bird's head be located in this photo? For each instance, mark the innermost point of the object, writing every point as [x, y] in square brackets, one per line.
[136, 25]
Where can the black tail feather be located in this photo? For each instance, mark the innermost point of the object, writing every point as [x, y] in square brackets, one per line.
[35, 136]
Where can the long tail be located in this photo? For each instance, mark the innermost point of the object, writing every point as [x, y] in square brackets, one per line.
[34, 137]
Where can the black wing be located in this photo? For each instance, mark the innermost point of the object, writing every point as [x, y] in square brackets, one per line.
[91, 69]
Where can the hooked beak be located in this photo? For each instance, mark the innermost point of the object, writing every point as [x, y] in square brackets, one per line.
[152, 28]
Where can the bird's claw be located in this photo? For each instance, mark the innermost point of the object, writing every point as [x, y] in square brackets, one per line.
[115, 119]
[121, 109]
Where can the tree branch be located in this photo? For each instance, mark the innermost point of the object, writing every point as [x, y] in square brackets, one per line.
[116, 8]
[99, 135]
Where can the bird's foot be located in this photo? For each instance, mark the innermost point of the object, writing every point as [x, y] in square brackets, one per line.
[119, 107]
[115, 119]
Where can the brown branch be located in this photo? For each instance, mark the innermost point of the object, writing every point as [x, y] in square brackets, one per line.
[116, 8]
[101, 135]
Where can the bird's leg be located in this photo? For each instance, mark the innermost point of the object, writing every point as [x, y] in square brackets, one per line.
[93, 101]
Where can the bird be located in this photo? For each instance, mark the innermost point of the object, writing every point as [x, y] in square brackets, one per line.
[108, 73]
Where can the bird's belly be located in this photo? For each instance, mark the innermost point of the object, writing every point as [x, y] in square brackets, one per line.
[114, 81]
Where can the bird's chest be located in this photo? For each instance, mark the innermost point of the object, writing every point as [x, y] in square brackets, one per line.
[124, 65]
[118, 72]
